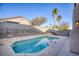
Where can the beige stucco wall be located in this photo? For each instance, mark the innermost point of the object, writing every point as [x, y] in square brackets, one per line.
[41, 28]
[74, 35]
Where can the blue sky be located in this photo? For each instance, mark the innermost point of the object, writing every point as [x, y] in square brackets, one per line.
[32, 10]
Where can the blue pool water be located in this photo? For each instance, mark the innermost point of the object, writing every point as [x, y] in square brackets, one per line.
[52, 38]
[31, 45]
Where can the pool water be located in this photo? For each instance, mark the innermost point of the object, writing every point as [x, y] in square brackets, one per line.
[31, 45]
[52, 38]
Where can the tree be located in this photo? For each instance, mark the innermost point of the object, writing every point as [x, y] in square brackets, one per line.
[59, 19]
[64, 26]
[38, 21]
[55, 13]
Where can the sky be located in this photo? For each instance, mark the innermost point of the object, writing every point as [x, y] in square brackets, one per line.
[33, 10]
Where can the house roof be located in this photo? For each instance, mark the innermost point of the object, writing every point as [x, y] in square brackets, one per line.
[18, 19]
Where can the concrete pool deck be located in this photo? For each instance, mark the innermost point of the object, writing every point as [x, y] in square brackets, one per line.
[56, 47]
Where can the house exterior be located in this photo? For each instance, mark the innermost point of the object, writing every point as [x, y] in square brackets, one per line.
[19, 26]
[16, 26]
[18, 19]
[74, 35]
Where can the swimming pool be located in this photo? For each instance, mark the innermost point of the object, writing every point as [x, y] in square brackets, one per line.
[33, 45]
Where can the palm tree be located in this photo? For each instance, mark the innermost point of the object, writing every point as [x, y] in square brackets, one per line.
[55, 13]
[59, 19]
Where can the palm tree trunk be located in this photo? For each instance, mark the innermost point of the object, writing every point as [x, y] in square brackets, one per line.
[54, 22]
[59, 25]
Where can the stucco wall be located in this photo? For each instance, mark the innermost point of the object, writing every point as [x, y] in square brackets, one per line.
[74, 35]
[41, 28]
